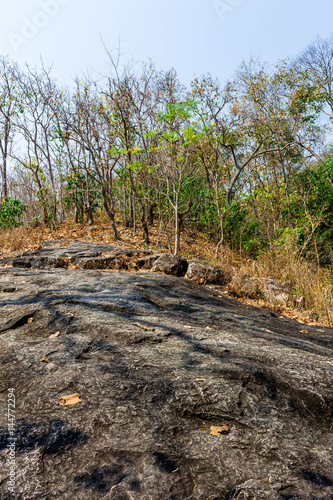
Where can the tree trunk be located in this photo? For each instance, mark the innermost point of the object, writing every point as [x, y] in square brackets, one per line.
[126, 221]
[151, 214]
[220, 243]
[142, 208]
[177, 234]
[145, 229]
[4, 179]
[110, 214]
[178, 225]
[89, 213]
[88, 207]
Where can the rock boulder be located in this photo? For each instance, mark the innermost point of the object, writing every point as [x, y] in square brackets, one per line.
[170, 264]
[202, 273]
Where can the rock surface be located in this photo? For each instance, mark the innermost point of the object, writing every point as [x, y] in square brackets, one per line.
[82, 254]
[183, 393]
[101, 256]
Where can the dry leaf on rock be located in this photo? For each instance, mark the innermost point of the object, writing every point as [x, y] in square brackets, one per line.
[30, 320]
[45, 359]
[54, 335]
[147, 328]
[216, 431]
[72, 399]
[303, 331]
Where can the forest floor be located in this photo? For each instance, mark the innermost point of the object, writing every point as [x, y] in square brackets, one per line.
[194, 244]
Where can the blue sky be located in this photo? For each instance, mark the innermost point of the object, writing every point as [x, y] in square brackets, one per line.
[193, 36]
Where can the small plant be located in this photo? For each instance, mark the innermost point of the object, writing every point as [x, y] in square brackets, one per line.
[36, 221]
[11, 211]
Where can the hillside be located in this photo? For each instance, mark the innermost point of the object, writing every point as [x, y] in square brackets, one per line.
[196, 245]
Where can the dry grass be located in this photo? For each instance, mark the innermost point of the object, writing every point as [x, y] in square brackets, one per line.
[13, 240]
[310, 289]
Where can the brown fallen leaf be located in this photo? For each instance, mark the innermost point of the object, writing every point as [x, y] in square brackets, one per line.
[147, 328]
[216, 431]
[54, 335]
[72, 399]
[303, 331]
[30, 320]
[45, 359]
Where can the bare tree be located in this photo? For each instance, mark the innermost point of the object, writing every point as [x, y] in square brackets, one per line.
[317, 64]
[87, 126]
[37, 125]
[9, 106]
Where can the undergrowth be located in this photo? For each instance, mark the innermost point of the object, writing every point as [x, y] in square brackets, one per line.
[309, 287]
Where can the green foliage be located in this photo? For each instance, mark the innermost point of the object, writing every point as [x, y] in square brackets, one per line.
[242, 230]
[11, 211]
[180, 110]
[204, 212]
[316, 185]
[276, 213]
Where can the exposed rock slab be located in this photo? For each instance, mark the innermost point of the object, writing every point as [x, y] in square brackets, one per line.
[86, 255]
[81, 254]
[157, 362]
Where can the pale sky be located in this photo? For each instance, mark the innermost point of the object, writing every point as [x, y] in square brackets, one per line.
[193, 36]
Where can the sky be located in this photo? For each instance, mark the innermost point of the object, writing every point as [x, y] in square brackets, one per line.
[193, 36]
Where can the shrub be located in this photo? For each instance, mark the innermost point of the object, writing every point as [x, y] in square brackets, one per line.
[11, 211]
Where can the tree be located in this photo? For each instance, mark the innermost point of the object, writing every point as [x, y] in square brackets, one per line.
[37, 125]
[88, 135]
[178, 161]
[317, 64]
[9, 106]
[121, 93]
